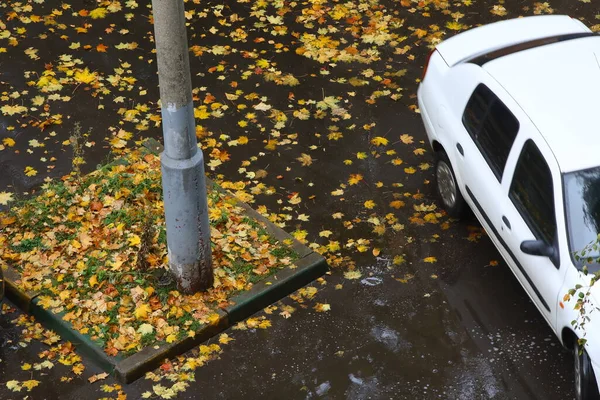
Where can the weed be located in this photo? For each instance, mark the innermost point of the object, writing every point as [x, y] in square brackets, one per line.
[148, 339]
[146, 239]
[284, 251]
[76, 142]
[27, 245]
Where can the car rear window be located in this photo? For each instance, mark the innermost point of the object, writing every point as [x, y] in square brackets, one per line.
[492, 127]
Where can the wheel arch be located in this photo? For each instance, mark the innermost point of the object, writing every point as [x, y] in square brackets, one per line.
[568, 338]
[437, 146]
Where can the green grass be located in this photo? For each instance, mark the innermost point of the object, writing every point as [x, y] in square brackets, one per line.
[27, 245]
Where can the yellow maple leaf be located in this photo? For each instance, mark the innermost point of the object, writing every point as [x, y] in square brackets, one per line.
[305, 159]
[97, 13]
[262, 63]
[30, 384]
[117, 143]
[26, 367]
[264, 324]
[201, 113]
[126, 46]
[12, 110]
[455, 25]
[379, 229]
[369, 204]
[398, 260]
[361, 155]
[93, 280]
[420, 33]
[406, 139]
[5, 197]
[13, 385]
[354, 179]
[145, 329]
[142, 311]
[8, 142]
[397, 204]
[352, 274]
[171, 338]
[320, 307]
[224, 338]
[410, 170]
[77, 369]
[214, 318]
[295, 199]
[300, 235]
[134, 240]
[85, 76]
[333, 246]
[379, 141]
[271, 144]
[430, 260]
[29, 171]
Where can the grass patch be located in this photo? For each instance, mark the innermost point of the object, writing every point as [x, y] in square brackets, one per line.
[95, 248]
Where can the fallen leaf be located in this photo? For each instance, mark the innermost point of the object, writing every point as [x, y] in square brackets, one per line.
[379, 141]
[98, 377]
[5, 197]
[355, 274]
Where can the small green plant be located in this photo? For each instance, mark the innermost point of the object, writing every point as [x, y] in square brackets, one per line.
[582, 293]
[76, 142]
[27, 245]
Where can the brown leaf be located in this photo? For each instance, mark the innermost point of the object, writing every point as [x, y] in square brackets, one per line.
[96, 206]
[97, 377]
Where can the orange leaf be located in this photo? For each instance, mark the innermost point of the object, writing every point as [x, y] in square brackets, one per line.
[8, 220]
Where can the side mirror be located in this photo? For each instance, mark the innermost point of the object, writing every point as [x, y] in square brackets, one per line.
[537, 248]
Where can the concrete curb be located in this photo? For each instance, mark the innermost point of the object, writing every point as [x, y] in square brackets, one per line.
[21, 298]
[276, 287]
[83, 342]
[308, 267]
[149, 358]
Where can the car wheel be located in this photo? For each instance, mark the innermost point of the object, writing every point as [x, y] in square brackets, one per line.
[586, 387]
[447, 188]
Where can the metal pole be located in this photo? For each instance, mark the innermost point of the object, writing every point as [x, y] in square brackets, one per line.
[182, 163]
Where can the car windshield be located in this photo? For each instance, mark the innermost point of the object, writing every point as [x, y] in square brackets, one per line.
[582, 203]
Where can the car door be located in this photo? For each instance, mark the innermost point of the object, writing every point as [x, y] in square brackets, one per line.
[533, 194]
[490, 130]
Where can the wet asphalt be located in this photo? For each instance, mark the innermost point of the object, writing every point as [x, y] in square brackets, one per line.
[459, 328]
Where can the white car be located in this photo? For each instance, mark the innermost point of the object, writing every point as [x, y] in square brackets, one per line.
[512, 112]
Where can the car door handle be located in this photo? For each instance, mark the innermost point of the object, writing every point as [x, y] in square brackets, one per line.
[460, 149]
[506, 221]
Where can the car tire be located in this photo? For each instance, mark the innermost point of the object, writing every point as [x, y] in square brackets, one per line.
[447, 187]
[586, 387]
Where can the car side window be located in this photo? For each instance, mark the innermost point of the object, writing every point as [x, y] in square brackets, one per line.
[492, 127]
[532, 193]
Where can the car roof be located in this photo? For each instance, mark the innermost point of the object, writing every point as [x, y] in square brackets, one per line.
[497, 35]
[558, 87]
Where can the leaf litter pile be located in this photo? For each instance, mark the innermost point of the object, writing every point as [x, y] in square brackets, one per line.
[95, 248]
[295, 106]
